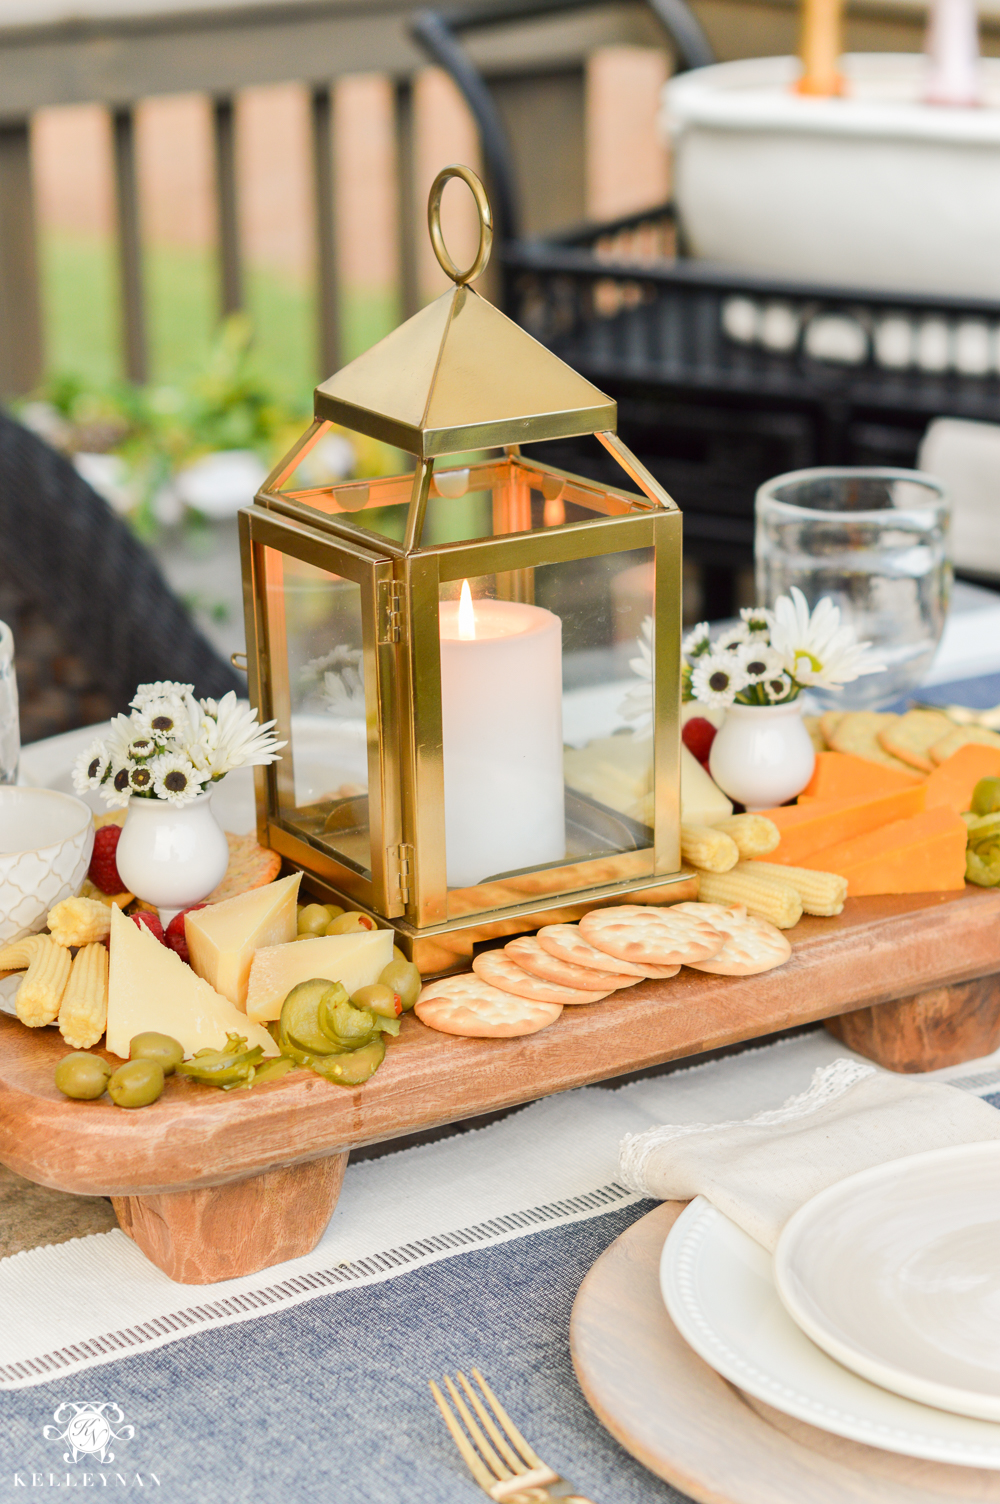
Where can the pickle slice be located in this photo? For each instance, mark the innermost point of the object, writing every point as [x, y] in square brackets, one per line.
[354, 1067]
[301, 1022]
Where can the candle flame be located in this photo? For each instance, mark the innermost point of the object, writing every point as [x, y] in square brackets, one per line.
[466, 614]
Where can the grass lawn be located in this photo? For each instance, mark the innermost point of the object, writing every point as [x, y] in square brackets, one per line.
[82, 327]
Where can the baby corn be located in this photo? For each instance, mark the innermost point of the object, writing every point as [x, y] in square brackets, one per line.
[39, 995]
[755, 835]
[708, 848]
[83, 1012]
[766, 897]
[821, 892]
[79, 921]
[19, 955]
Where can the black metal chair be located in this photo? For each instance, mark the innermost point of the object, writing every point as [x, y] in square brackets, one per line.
[91, 613]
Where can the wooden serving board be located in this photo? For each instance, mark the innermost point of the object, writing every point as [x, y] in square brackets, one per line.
[193, 1164]
[690, 1426]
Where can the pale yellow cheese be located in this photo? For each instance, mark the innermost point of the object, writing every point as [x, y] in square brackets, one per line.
[356, 960]
[150, 988]
[702, 801]
[222, 938]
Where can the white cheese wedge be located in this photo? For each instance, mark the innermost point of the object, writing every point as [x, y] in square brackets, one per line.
[356, 960]
[222, 938]
[149, 987]
[702, 801]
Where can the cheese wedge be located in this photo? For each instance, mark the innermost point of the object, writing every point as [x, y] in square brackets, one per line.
[953, 782]
[925, 854]
[356, 960]
[150, 987]
[702, 801]
[807, 828]
[222, 938]
[839, 775]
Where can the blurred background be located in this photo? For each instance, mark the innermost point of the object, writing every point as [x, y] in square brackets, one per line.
[204, 209]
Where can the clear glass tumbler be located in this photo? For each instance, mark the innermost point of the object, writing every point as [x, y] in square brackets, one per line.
[877, 542]
[10, 726]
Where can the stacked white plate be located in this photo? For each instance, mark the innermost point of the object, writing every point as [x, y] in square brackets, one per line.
[878, 1318]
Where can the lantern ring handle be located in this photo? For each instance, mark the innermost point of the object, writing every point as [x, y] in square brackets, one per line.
[456, 170]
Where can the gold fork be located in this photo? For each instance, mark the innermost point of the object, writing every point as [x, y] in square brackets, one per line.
[504, 1466]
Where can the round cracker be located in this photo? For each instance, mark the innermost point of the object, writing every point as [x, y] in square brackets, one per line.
[469, 1006]
[526, 952]
[500, 971]
[565, 942]
[752, 945]
[642, 932]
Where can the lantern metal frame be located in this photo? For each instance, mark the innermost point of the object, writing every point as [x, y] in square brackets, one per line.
[400, 583]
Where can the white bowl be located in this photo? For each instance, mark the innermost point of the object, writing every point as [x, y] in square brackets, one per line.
[873, 190]
[46, 839]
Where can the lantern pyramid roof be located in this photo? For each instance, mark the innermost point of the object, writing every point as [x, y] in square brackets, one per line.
[460, 375]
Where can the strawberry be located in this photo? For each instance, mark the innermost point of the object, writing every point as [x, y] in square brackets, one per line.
[698, 736]
[175, 936]
[150, 922]
[103, 871]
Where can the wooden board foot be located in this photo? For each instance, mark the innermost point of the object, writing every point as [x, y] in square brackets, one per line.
[223, 1231]
[929, 1030]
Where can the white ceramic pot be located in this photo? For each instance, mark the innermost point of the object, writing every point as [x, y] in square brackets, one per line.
[875, 190]
[46, 839]
[172, 855]
[762, 755]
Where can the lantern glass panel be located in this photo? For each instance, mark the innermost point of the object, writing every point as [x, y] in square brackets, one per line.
[546, 727]
[314, 622]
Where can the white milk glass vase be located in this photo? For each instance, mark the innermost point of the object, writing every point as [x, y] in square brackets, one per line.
[762, 755]
[172, 855]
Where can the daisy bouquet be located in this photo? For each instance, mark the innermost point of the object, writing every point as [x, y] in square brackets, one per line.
[173, 746]
[771, 656]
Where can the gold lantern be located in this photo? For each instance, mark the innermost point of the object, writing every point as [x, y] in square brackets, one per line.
[476, 664]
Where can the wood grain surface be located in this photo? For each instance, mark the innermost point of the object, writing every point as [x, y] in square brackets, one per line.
[196, 1136]
[943, 1026]
[225, 1231]
[690, 1426]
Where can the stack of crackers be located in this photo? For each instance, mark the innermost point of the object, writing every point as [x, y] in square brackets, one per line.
[525, 986]
[918, 741]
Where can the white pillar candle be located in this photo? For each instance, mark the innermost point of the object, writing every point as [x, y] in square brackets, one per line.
[501, 715]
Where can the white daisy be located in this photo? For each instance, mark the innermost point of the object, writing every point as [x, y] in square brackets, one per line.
[757, 619]
[717, 679]
[171, 719]
[141, 748]
[176, 779]
[119, 734]
[116, 791]
[697, 641]
[732, 637]
[91, 767]
[815, 649]
[141, 778]
[778, 688]
[759, 661]
[234, 740]
[162, 689]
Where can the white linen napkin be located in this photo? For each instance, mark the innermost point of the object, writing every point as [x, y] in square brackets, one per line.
[760, 1171]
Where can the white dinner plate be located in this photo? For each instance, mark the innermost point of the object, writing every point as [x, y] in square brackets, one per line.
[718, 1287]
[895, 1272]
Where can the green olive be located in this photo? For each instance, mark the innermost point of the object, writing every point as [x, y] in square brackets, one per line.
[82, 1076]
[397, 954]
[986, 796]
[313, 919]
[378, 998]
[334, 910]
[136, 1083]
[349, 924]
[159, 1047]
[404, 979]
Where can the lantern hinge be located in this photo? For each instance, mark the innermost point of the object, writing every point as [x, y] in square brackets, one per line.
[391, 610]
[399, 865]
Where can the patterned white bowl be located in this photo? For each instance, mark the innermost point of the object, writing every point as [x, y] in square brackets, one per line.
[46, 839]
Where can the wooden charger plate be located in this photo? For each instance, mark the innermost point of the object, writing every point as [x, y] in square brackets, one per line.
[694, 1429]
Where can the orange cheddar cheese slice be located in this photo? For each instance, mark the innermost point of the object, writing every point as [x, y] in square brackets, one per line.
[951, 784]
[925, 854]
[838, 775]
[810, 827]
